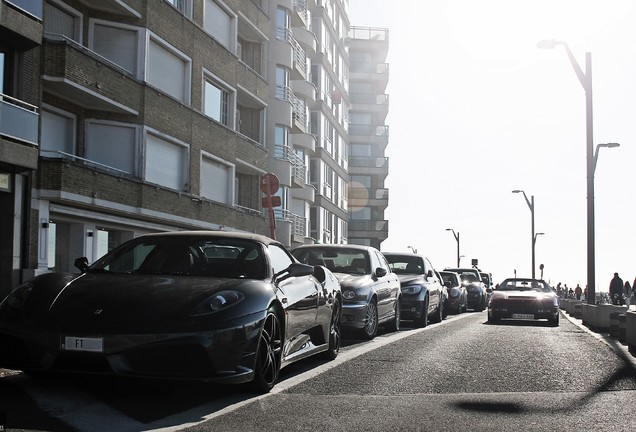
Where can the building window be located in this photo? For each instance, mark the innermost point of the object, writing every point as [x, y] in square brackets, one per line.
[58, 132]
[166, 163]
[112, 145]
[250, 116]
[183, 6]
[220, 23]
[251, 53]
[168, 70]
[119, 44]
[217, 180]
[62, 20]
[216, 103]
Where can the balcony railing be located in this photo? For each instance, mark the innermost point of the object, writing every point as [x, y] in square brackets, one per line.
[369, 161]
[369, 98]
[369, 33]
[299, 169]
[368, 225]
[370, 68]
[369, 130]
[32, 7]
[285, 93]
[299, 223]
[18, 119]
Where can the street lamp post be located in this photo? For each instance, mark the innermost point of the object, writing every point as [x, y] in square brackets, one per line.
[456, 235]
[533, 237]
[585, 78]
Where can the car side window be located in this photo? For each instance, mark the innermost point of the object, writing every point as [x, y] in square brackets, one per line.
[381, 261]
[279, 258]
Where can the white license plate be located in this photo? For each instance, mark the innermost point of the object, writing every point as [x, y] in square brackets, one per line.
[72, 343]
[523, 316]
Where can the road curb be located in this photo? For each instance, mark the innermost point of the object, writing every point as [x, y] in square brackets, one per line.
[614, 344]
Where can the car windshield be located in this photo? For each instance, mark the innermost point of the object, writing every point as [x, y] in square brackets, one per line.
[186, 255]
[524, 285]
[405, 264]
[450, 279]
[338, 260]
[467, 276]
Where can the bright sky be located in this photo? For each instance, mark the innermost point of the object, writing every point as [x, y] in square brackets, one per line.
[477, 110]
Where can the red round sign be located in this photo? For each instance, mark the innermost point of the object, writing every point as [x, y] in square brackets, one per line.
[269, 183]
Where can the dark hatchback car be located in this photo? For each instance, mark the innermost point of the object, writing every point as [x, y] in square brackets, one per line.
[370, 290]
[524, 299]
[475, 288]
[203, 305]
[423, 293]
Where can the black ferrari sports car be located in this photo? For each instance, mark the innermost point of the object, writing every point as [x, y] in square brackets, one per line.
[524, 299]
[205, 305]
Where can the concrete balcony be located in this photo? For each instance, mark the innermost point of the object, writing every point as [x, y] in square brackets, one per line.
[369, 229]
[377, 135]
[21, 23]
[304, 140]
[306, 193]
[76, 74]
[305, 90]
[115, 7]
[306, 39]
[369, 165]
[364, 197]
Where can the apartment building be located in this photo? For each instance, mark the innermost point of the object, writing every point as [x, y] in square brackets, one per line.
[20, 40]
[368, 135]
[139, 116]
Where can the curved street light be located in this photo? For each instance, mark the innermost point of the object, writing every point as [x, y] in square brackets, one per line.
[531, 207]
[456, 235]
[585, 78]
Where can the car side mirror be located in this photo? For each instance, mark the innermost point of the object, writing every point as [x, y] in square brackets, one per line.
[81, 263]
[429, 274]
[380, 272]
[294, 270]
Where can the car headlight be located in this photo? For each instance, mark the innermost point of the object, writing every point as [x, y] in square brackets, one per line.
[454, 292]
[219, 301]
[411, 289]
[348, 294]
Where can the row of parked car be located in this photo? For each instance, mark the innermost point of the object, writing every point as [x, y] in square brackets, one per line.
[390, 287]
[220, 306]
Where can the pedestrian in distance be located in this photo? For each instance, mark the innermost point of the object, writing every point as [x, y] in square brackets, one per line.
[616, 290]
[627, 291]
[577, 292]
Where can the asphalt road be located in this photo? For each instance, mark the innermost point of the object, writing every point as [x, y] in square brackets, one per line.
[462, 374]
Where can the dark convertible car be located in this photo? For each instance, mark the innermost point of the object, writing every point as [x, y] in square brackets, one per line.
[370, 290]
[205, 305]
[524, 299]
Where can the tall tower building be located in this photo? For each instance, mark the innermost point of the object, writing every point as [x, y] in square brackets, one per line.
[368, 135]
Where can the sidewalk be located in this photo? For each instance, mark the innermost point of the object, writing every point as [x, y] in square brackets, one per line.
[619, 347]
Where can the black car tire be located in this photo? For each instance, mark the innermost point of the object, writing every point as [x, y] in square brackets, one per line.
[394, 325]
[492, 319]
[370, 328]
[554, 321]
[422, 321]
[334, 332]
[268, 354]
[439, 314]
[446, 309]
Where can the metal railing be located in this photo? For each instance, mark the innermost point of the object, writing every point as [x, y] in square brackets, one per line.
[369, 98]
[92, 162]
[369, 33]
[299, 223]
[299, 169]
[32, 7]
[369, 130]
